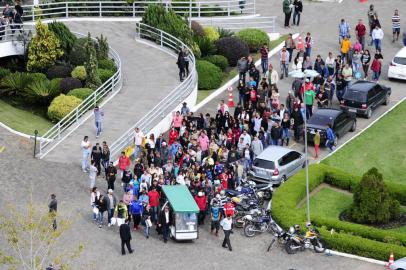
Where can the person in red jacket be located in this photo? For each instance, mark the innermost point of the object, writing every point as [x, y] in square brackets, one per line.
[173, 135]
[123, 163]
[223, 179]
[201, 201]
[228, 208]
[153, 196]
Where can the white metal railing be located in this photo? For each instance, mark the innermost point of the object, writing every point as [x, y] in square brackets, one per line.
[16, 32]
[264, 23]
[165, 41]
[71, 121]
[136, 9]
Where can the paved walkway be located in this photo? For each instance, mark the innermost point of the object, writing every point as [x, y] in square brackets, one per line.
[148, 76]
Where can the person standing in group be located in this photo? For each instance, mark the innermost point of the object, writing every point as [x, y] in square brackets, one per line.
[86, 146]
[365, 60]
[146, 217]
[284, 60]
[181, 65]
[94, 197]
[177, 121]
[111, 203]
[98, 118]
[298, 9]
[287, 10]
[242, 67]
[201, 202]
[102, 207]
[123, 163]
[396, 26]
[290, 46]
[136, 210]
[96, 156]
[377, 36]
[138, 136]
[330, 88]
[215, 215]
[226, 224]
[376, 68]
[154, 197]
[272, 76]
[53, 208]
[164, 222]
[264, 58]
[111, 176]
[360, 31]
[125, 236]
[308, 44]
[105, 157]
[345, 49]
[309, 96]
[186, 57]
[92, 174]
[316, 140]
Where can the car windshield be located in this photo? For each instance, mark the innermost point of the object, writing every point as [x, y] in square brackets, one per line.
[265, 164]
[320, 120]
[399, 60]
[355, 95]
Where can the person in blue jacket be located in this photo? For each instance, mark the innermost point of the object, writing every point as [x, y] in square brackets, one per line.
[330, 138]
[136, 210]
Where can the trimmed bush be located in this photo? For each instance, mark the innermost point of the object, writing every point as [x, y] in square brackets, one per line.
[206, 46]
[197, 29]
[255, 38]
[232, 48]
[4, 72]
[104, 74]
[61, 106]
[81, 93]
[107, 64]
[211, 33]
[218, 60]
[78, 55]
[70, 83]
[58, 72]
[79, 72]
[210, 76]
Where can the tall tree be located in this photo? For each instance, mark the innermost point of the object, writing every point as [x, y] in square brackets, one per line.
[93, 80]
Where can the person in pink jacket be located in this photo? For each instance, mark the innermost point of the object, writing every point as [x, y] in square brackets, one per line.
[203, 141]
[177, 121]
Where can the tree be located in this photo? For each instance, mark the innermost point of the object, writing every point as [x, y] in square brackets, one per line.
[102, 48]
[93, 80]
[44, 48]
[372, 202]
[31, 239]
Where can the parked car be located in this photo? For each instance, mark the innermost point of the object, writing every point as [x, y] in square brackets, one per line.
[276, 164]
[340, 121]
[397, 68]
[362, 97]
[399, 264]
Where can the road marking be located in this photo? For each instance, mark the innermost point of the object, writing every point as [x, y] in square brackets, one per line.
[2, 148]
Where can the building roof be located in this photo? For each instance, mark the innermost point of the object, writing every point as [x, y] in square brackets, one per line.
[180, 199]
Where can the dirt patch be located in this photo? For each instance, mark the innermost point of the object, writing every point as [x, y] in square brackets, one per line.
[320, 187]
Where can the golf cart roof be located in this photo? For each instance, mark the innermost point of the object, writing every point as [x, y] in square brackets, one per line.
[180, 199]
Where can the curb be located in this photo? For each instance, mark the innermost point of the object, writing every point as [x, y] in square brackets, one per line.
[234, 80]
[351, 256]
[18, 133]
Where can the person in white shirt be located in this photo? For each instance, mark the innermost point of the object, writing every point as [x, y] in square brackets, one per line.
[246, 137]
[377, 36]
[226, 225]
[330, 63]
[92, 174]
[273, 76]
[138, 135]
[86, 146]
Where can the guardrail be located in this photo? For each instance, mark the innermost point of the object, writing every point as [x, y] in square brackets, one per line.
[15, 32]
[136, 9]
[171, 45]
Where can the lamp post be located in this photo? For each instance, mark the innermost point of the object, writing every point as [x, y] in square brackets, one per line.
[308, 73]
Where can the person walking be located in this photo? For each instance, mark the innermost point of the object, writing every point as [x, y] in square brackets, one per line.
[316, 141]
[125, 236]
[92, 174]
[215, 215]
[98, 118]
[146, 217]
[272, 76]
[360, 31]
[186, 57]
[105, 157]
[345, 49]
[53, 208]
[136, 210]
[94, 197]
[396, 26]
[287, 10]
[376, 68]
[102, 207]
[164, 223]
[138, 137]
[111, 203]
[298, 9]
[154, 197]
[242, 68]
[226, 224]
[201, 202]
[290, 46]
[111, 176]
[96, 156]
[284, 60]
[377, 36]
[123, 163]
[181, 65]
[86, 146]
[372, 14]
[330, 138]
[343, 30]
[308, 44]
[264, 58]
[365, 60]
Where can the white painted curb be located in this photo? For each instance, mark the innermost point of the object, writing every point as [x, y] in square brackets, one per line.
[21, 134]
[332, 252]
[235, 79]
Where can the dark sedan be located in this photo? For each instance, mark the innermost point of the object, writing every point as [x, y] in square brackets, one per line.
[341, 122]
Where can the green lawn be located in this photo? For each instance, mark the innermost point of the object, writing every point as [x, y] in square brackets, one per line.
[328, 202]
[22, 120]
[382, 146]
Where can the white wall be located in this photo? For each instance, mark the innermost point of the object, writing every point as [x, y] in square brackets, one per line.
[8, 48]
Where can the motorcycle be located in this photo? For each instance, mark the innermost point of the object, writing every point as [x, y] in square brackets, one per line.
[279, 234]
[256, 223]
[244, 206]
[311, 239]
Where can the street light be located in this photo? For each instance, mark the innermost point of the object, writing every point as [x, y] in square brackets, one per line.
[307, 73]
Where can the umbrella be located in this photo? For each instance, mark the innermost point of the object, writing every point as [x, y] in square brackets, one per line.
[310, 73]
[296, 74]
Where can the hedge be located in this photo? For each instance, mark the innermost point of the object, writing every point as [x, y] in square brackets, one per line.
[211, 33]
[349, 237]
[107, 64]
[81, 93]
[210, 76]
[58, 72]
[104, 74]
[79, 72]
[255, 38]
[217, 60]
[61, 106]
[70, 83]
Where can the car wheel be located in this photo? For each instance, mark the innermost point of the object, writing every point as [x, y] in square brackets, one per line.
[369, 113]
[387, 100]
[283, 179]
[354, 126]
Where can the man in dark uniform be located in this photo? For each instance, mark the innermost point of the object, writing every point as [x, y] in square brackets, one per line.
[125, 235]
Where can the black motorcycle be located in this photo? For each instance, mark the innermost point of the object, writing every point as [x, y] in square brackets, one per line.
[299, 242]
[256, 223]
[280, 235]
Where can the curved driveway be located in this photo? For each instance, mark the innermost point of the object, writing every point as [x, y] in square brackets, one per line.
[148, 76]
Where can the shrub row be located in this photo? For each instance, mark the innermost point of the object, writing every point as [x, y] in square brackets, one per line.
[349, 237]
[210, 76]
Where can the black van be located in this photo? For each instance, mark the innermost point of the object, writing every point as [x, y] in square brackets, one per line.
[362, 97]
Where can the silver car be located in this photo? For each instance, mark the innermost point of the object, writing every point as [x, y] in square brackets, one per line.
[276, 164]
[399, 264]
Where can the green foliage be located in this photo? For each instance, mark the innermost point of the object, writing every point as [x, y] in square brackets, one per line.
[79, 72]
[102, 48]
[93, 80]
[168, 21]
[81, 93]
[58, 72]
[15, 83]
[4, 72]
[104, 74]
[70, 83]
[42, 91]
[255, 38]
[206, 46]
[197, 29]
[210, 76]
[372, 201]
[196, 50]
[107, 64]
[224, 32]
[65, 36]
[78, 55]
[61, 106]
[348, 237]
[232, 48]
[211, 33]
[44, 48]
[218, 60]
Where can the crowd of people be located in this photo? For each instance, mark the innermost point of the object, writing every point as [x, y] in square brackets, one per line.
[11, 17]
